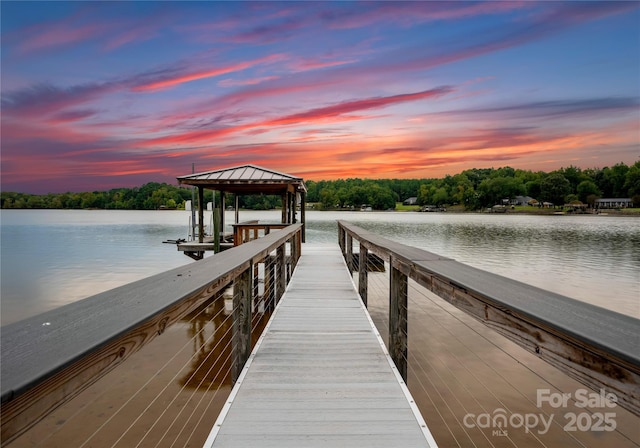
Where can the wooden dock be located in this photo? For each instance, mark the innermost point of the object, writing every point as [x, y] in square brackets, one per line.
[320, 374]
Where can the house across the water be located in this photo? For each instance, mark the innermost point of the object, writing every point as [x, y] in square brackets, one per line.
[614, 203]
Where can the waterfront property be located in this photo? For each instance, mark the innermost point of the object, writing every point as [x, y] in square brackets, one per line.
[49, 359]
[614, 203]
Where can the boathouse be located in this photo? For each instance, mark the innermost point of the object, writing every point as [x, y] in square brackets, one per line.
[243, 180]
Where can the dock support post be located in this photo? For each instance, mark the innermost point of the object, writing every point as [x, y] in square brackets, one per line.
[295, 250]
[269, 294]
[216, 230]
[350, 253]
[241, 337]
[363, 259]
[281, 272]
[398, 319]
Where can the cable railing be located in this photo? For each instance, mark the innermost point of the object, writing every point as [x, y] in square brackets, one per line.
[468, 379]
[595, 346]
[56, 380]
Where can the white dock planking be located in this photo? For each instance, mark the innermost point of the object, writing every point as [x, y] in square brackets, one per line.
[320, 375]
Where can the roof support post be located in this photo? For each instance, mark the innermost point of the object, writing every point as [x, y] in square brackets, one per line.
[223, 207]
[237, 207]
[292, 208]
[200, 214]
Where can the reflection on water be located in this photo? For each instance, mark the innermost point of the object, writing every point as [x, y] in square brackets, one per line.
[167, 394]
[457, 367]
[209, 327]
[171, 391]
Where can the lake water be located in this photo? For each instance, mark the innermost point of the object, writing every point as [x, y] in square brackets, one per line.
[53, 257]
[457, 365]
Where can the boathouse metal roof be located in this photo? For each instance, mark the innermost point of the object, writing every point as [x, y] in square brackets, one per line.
[246, 179]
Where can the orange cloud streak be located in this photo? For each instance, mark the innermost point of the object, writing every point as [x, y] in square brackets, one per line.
[202, 74]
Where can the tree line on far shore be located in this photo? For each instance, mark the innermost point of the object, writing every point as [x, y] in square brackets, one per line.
[474, 189]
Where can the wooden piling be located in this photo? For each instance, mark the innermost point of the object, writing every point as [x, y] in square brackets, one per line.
[398, 320]
[363, 259]
[241, 338]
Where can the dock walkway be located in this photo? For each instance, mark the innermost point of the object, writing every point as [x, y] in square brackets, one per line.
[320, 374]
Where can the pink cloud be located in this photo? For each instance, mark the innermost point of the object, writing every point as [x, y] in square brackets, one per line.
[164, 82]
[246, 82]
[334, 113]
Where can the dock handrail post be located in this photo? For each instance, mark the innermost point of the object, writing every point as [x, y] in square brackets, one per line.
[341, 235]
[295, 250]
[398, 319]
[241, 337]
[269, 284]
[281, 272]
[349, 256]
[362, 273]
[299, 244]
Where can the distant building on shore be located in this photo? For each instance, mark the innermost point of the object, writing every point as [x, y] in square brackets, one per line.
[410, 201]
[613, 203]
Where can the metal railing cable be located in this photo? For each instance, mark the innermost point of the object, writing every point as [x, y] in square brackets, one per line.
[197, 424]
[82, 409]
[421, 292]
[256, 321]
[424, 368]
[148, 382]
[380, 283]
[177, 394]
[452, 376]
[146, 399]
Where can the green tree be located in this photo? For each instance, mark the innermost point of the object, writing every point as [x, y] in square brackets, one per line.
[632, 182]
[587, 188]
[494, 190]
[554, 188]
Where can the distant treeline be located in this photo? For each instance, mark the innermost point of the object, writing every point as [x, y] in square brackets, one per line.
[474, 189]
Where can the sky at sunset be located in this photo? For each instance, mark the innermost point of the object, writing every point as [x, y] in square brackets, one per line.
[100, 95]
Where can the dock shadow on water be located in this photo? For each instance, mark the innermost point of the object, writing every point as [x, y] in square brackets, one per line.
[167, 394]
[475, 388]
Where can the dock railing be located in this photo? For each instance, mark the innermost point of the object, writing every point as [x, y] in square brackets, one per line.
[244, 232]
[598, 347]
[48, 359]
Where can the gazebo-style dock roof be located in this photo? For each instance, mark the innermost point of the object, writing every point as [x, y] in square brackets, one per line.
[248, 180]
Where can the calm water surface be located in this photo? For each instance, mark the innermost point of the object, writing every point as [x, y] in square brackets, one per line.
[54, 257]
[457, 365]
